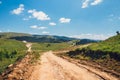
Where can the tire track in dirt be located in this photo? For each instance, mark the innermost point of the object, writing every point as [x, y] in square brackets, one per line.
[52, 67]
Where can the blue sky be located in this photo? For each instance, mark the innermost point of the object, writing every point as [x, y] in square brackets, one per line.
[94, 19]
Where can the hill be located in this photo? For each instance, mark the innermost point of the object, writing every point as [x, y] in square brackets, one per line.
[111, 45]
[12, 34]
[43, 38]
[105, 53]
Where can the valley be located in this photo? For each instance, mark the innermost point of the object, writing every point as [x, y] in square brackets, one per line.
[59, 61]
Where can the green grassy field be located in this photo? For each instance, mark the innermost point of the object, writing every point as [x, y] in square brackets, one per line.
[50, 46]
[39, 48]
[10, 51]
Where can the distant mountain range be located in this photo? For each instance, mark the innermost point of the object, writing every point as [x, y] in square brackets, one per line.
[43, 38]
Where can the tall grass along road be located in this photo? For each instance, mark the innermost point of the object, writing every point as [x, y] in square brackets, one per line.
[52, 67]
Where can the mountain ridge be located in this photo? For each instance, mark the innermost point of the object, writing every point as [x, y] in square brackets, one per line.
[43, 38]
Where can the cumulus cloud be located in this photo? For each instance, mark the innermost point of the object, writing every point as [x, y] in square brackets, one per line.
[85, 3]
[34, 26]
[38, 27]
[52, 24]
[39, 15]
[19, 10]
[96, 2]
[92, 36]
[42, 27]
[45, 32]
[64, 20]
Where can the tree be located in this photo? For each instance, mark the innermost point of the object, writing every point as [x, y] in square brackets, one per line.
[118, 33]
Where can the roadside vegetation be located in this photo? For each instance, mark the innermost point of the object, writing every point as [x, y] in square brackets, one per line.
[105, 53]
[10, 52]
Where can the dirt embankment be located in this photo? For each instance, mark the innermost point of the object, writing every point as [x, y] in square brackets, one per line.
[21, 70]
[56, 68]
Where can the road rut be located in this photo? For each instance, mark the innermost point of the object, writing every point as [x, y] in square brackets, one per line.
[52, 67]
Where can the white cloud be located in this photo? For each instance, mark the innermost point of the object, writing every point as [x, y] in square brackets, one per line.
[0, 2]
[42, 27]
[39, 15]
[34, 26]
[38, 27]
[92, 36]
[64, 20]
[27, 18]
[85, 3]
[19, 10]
[45, 32]
[96, 2]
[33, 33]
[52, 24]
[0, 31]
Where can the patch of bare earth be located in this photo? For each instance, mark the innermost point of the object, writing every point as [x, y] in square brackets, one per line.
[56, 68]
[19, 71]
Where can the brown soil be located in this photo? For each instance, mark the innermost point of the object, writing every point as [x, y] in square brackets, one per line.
[52, 67]
[21, 70]
[56, 68]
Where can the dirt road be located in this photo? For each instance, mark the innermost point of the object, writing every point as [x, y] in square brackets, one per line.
[56, 68]
[29, 45]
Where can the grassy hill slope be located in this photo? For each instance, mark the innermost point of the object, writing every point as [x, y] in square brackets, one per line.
[12, 34]
[10, 51]
[105, 53]
[111, 45]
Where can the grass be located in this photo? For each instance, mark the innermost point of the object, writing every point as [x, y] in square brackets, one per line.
[39, 48]
[112, 45]
[105, 53]
[12, 34]
[10, 51]
[50, 46]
